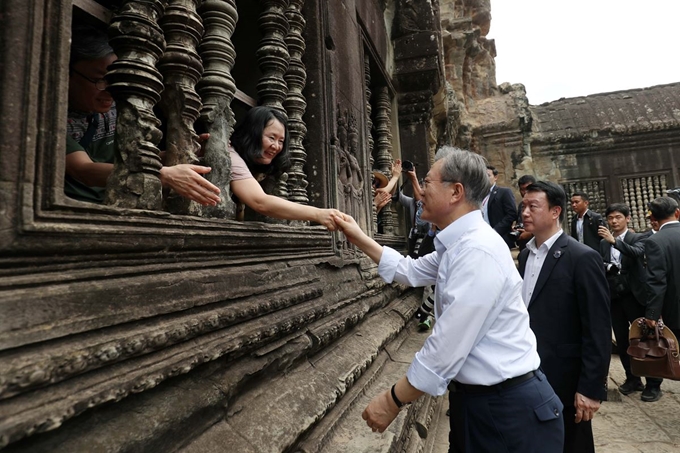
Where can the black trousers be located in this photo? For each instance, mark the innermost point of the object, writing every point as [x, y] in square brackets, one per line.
[624, 310]
[578, 437]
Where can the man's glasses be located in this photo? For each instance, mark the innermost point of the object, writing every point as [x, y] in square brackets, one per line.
[100, 84]
[426, 182]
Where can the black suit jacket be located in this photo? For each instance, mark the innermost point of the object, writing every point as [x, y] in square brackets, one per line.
[591, 220]
[502, 212]
[632, 249]
[569, 314]
[662, 251]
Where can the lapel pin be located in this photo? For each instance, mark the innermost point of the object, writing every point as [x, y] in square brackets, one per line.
[557, 254]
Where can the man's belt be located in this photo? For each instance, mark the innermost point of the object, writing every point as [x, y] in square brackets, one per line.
[477, 389]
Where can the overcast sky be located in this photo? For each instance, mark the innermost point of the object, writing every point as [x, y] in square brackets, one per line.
[580, 47]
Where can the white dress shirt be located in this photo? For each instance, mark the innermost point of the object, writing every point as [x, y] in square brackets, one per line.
[579, 226]
[534, 264]
[614, 254]
[482, 333]
[485, 206]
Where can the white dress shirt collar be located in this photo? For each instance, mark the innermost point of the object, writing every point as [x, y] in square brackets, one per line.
[531, 245]
[668, 223]
[452, 233]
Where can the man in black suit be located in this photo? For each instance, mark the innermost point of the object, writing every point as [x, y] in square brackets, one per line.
[622, 251]
[498, 208]
[662, 251]
[584, 225]
[521, 236]
[568, 300]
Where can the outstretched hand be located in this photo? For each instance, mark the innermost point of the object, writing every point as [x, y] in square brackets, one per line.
[396, 168]
[326, 218]
[348, 226]
[381, 199]
[186, 180]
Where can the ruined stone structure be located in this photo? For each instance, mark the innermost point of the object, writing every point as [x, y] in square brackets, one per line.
[618, 147]
[153, 324]
[149, 323]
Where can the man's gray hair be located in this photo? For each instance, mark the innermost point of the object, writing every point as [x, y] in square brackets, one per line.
[466, 168]
[88, 43]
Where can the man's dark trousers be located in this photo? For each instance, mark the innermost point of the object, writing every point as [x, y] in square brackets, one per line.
[492, 423]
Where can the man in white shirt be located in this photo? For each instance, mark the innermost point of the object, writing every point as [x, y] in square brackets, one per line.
[568, 301]
[481, 346]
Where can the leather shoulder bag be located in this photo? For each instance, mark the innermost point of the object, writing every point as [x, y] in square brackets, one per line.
[653, 351]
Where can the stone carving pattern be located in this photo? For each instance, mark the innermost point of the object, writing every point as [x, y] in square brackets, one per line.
[217, 89]
[272, 54]
[136, 84]
[19, 375]
[295, 104]
[595, 191]
[637, 192]
[221, 344]
[383, 161]
[369, 135]
[181, 68]
[350, 173]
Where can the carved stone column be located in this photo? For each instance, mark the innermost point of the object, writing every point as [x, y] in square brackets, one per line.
[383, 161]
[136, 86]
[217, 89]
[272, 54]
[295, 103]
[369, 135]
[181, 68]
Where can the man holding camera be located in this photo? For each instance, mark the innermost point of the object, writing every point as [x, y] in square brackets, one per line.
[621, 251]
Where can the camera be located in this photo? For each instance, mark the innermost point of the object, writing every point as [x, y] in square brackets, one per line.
[407, 165]
[515, 234]
[602, 223]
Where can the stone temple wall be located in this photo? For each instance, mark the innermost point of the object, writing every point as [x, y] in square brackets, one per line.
[619, 147]
[150, 324]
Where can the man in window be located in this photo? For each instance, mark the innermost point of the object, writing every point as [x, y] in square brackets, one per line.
[91, 128]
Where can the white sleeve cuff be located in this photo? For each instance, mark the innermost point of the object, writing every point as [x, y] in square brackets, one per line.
[388, 264]
[424, 379]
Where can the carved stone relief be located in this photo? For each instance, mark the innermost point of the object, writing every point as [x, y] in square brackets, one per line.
[383, 160]
[136, 84]
[638, 192]
[217, 88]
[181, 68]
[295, 103]
[350, 173]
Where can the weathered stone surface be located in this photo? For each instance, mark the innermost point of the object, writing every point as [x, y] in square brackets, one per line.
[607, 143]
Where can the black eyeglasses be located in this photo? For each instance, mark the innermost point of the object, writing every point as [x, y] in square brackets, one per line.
[100, 84]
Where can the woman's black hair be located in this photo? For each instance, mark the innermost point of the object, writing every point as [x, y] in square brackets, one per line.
[247, 140]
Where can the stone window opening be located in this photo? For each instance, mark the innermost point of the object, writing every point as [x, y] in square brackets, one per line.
[153, 85]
